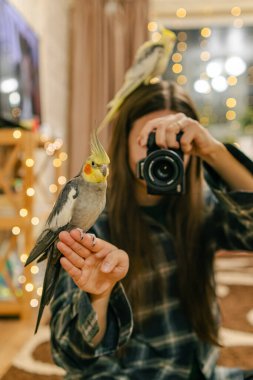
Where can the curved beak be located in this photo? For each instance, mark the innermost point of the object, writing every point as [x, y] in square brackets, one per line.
[103, 169]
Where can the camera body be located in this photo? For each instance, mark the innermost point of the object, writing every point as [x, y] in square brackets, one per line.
[162, 169]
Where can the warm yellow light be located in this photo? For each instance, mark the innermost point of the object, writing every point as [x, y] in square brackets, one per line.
[29, 162]
[29, 287]
[23, 257]
[181, 12]
[232, 80]
[177, 68]
[156, 36]
[238, 23]
[17, 134]
[205, 32]
[57, 162]
[181, 79]
[58, 143]
[182, 36]
[154, 80]
[230, 115]
[152, 26]
[231, 102]
[176, 57]
[21, 279]
[34, 302]
[23, 212]
[204, 120]
[39, 291]
[53, 188]
[50, 149]
[236, 11]
[62, 180]
[181, 46]
[30, 191]
[34, 269]
[63, 156]
[204, 55]
[35, 220]
[16, 230]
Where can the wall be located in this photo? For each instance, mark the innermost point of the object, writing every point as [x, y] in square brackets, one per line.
[50, 20]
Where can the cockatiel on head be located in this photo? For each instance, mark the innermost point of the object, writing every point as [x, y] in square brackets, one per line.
[78, 205]
[151, 61]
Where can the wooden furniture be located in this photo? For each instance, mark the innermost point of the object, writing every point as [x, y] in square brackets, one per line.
[19, 185]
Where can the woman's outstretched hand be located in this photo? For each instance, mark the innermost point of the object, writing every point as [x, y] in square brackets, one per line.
[95, 268]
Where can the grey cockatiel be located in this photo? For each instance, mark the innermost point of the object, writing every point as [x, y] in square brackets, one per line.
[78, 205]
[151, 60]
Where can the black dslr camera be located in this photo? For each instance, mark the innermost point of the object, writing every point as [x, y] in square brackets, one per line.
[162, 169]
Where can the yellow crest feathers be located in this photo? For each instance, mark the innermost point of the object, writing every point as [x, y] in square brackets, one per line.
[97, 151]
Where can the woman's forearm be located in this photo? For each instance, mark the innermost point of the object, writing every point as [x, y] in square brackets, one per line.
[230, 169]
[100, 306]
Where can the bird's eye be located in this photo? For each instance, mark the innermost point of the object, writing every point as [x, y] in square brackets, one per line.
[93, 163]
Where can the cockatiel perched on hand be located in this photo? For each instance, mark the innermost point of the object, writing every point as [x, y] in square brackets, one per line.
[78, 205]
[151, 61]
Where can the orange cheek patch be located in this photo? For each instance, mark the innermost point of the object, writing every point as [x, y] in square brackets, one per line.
[87, 169]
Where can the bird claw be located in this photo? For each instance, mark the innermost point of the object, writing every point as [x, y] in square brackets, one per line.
[93, 237]
[82, 233]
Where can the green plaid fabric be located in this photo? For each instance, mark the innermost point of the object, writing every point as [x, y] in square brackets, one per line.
[162, 344]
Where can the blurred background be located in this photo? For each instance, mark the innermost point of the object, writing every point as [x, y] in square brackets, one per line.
[61, 61]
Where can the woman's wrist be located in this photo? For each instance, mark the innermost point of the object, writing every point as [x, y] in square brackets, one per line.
[215, 154]
[101, 297]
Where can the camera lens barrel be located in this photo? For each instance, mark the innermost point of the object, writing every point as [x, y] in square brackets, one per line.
[163, 170]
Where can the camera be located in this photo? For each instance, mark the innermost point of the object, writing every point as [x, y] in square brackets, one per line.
[162, 169]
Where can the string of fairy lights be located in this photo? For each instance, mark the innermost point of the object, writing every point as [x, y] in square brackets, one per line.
[212, 79]
[54, 150]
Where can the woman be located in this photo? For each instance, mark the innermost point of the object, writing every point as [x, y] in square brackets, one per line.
[161, 321]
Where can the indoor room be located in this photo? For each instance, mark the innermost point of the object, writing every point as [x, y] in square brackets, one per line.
[126, 189]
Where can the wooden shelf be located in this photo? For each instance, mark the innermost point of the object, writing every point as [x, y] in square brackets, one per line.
[16, 147]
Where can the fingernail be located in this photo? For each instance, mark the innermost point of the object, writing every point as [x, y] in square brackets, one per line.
[106, 267]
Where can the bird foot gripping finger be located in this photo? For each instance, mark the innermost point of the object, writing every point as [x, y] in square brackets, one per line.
[82, 233]
[93, 239]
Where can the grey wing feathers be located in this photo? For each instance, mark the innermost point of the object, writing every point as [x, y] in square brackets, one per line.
[141, 70]
[57, 221]
[66, 199]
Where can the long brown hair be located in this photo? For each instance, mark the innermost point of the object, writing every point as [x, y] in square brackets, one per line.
[128, 227]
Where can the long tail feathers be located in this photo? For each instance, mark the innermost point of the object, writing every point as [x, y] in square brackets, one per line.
[47, 238]
[110, 114]
[50, 280]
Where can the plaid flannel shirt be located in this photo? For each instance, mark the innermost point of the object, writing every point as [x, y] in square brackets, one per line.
[163, 345]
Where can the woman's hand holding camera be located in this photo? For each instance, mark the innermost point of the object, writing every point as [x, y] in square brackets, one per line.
[195, 139]
[95, 268]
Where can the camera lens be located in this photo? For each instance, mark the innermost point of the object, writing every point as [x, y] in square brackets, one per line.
[163, 170]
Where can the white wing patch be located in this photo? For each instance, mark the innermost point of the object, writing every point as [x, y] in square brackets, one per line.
[65, 214]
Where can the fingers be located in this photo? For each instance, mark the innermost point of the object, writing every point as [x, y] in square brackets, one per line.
[116, 262]
[68, 244]
[88, 242]
[81, 252]
[166, 129]
[74, 272]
